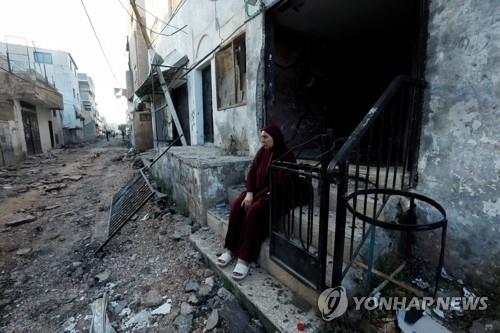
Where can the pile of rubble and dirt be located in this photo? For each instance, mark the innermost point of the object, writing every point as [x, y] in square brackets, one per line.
[150, 276]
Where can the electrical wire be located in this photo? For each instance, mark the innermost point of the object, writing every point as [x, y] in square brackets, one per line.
[221, 43]
[179, 6]
[99, 41]
[164, 22]
[145, 27]
[26, 80]
[189, 69]
[217, 24]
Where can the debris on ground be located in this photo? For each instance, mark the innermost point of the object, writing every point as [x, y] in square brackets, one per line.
[100, 321]
[138, 163]
[49, 276]
[425, 324]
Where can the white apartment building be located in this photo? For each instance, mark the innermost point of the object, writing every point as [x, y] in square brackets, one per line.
[89, 106]
[60, 69]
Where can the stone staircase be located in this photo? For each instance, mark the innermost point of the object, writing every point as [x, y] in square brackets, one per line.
[268, 304]
[270, 292]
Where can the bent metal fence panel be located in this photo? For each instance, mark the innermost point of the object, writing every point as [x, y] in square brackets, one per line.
[131, 198]
[294, 240]
[126, 203]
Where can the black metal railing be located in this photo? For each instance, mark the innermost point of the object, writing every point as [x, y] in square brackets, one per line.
[299, 216]
[381, 153]
[294, 242]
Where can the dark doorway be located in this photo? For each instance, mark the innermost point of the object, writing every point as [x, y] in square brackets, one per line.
[331, 60]
[180, 100]
[31, 132]
[51, 130]
[208, 122]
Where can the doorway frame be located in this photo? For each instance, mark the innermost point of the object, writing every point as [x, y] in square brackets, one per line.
[418, 66]
[198, 101]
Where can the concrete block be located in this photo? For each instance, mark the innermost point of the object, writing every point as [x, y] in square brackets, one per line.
[197, 177]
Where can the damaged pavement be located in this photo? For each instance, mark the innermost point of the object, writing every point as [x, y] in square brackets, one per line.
[54, 213]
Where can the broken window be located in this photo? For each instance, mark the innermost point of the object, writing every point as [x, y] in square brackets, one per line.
[230, 64]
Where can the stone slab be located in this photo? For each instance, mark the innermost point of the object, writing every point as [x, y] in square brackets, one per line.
[21, 220]
[260, 293]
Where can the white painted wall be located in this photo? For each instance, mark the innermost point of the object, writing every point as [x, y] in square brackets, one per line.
[43, 117]
[18, 140]
[208, 24]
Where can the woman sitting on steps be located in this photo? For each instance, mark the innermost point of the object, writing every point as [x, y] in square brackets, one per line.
[249, 217]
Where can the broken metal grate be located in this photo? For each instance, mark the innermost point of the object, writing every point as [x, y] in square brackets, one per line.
[126, 203]
[132, 197]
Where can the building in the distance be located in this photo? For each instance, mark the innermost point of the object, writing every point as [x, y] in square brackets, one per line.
[58, 68]
[30, 122]
[139, 115]
[89, 106]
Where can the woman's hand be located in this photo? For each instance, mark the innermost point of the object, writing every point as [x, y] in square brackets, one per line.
[247, 202]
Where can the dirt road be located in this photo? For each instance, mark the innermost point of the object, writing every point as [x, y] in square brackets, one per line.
[49, 276]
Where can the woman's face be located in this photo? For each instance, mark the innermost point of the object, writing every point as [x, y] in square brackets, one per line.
[266, 140]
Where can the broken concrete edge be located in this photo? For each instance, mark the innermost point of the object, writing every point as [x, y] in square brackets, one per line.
[310, 317]
[21, 221]
[240, 296]
[186, 153]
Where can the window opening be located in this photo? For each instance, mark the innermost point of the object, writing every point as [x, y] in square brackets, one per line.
[42, 57]
[231, 74]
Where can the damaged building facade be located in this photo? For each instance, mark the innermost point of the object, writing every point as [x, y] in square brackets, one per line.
[314, 66]
[29, 114]
[58, 68]
[138, 112]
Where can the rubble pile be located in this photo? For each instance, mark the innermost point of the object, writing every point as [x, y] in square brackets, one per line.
[151, 276]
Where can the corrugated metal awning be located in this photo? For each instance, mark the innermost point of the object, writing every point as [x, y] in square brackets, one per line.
[172, 75]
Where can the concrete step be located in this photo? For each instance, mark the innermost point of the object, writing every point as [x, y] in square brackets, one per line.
[217, 220]
[277, 306]
[234, 192]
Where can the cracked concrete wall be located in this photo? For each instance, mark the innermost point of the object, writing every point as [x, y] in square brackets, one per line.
[459, 162]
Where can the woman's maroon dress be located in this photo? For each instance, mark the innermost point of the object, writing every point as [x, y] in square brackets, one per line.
[247, 229]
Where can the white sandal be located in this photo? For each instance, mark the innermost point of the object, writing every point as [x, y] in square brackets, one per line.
[241, 270]
[225, 259]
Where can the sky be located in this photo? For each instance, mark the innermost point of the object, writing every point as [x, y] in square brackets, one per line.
[62, 25]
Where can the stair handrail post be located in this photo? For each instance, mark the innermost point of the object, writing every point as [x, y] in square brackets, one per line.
[338, 167]
[341, 179]
[326, 144]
